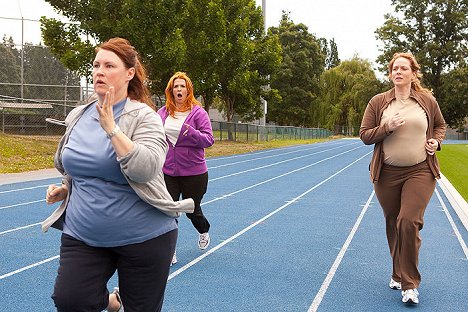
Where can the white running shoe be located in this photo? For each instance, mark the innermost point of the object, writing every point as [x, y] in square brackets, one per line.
[394, 285]
[203, 240]
[174, 259]
[410, 296]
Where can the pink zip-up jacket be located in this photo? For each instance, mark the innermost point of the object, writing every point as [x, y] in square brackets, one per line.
[187, 156]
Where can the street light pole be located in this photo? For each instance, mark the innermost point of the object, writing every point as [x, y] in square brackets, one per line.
[265, 105]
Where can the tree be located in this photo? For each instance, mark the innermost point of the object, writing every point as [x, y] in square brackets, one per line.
[297, 79]
[219, 43]
[332, 55]
[151, 26]
[44, 77]
[10, 69]
[436, 32]
[249, 59]
[454, 92]
[345, 91]
[41, 68]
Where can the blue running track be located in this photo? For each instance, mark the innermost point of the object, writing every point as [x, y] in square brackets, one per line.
[292, 229]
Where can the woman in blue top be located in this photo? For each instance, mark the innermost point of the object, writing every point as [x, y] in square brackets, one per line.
[188, 132]
[119, 216]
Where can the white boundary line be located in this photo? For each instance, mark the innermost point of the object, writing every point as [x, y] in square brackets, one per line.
[212, 250]
[331, 273]
[20, 228]
[231, 194]
[28, 267]
[22, 204]
[454, 227]
[458, 203]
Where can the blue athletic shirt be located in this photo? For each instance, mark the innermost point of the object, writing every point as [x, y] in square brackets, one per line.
[104, 211]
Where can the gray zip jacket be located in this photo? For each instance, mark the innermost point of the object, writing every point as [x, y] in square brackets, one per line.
[141, 166]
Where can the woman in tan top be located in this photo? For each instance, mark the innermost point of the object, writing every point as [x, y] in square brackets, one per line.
[407, 128]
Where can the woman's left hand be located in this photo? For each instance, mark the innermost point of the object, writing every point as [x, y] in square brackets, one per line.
[106, 113]
[431, 146]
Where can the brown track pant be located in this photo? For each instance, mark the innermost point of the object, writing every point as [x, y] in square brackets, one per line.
[403, 193]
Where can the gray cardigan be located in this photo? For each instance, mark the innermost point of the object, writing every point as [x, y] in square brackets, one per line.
[141, 166]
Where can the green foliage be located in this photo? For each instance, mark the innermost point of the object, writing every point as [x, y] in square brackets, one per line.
[10, 68]
[333, 59]
[436, 32]
[247, 61]
[39, 68]
[345, 91]
[297, 79]
[219, 43]
[454, 92]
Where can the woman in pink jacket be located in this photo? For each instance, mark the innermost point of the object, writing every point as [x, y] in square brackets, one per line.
[188, 133]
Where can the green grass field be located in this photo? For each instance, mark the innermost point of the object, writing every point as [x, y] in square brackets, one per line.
[453, 160]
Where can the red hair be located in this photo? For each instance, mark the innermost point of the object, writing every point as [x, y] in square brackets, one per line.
[190, 101]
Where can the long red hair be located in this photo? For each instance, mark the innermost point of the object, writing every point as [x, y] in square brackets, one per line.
[190, 101]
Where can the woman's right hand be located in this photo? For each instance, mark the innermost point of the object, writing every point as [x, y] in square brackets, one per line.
[395, 122]
[56, 193]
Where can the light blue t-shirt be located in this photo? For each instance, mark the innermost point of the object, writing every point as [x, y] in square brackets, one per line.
[104, 211]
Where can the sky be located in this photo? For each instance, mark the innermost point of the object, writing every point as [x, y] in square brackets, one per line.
[351, 23]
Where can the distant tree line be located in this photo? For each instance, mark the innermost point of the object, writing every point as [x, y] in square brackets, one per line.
[45, 78]
[233, 62]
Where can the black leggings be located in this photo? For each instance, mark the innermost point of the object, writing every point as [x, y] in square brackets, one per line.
[191, 187]
[84, 271]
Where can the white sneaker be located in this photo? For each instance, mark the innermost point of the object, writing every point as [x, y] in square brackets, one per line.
[174, 259]
[410, 296]
[203, 240]
[394, 285]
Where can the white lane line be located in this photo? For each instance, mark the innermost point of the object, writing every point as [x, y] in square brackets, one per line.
[252, 186]
[454, 226]
[20, 228]
[28, 267]
[24, 189]
[212, 250]
[331, 273]
[229, 175]
[271, 156]
[285, 161]
[274, 149]
[21, 204]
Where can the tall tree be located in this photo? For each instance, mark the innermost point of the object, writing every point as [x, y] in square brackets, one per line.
[248, 60]
[454, 91]
[297, 79]
[435, 31]
[205, 37]
[10, 69]
[333, 59]
[345, 92]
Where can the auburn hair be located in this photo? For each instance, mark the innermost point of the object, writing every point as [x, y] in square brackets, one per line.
[137, 88]
[415, 83]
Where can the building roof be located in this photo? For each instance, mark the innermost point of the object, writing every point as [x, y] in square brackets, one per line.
[25, 105]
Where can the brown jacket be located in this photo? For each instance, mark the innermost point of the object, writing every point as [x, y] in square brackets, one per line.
[372, 133]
